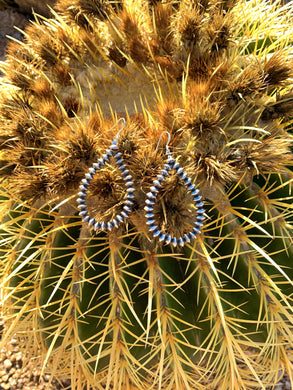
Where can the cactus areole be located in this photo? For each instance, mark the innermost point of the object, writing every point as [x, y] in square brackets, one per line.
[157, 256]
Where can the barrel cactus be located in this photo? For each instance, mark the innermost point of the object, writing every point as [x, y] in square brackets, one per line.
[187, 283]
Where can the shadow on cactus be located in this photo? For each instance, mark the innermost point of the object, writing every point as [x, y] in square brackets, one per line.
[124, 272]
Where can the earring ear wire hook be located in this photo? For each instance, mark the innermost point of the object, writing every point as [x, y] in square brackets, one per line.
[167, 144]
[122, 128]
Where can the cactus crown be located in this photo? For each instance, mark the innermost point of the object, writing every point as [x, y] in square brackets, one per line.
[212, 80]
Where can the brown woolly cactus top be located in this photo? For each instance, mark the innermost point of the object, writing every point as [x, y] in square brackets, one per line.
[215, 75]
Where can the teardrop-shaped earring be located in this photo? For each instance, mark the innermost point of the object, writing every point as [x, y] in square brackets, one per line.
[113, 151]
[152, 195]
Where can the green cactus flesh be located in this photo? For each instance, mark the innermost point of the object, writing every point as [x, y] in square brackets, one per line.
[119, 309]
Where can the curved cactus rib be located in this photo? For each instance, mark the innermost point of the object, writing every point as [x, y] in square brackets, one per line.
[27, 230]
[222, 327]
[56, 305]
[107, 328]
[173, 331]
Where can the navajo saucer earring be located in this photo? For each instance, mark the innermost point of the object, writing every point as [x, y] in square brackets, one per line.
[152, 195]
[113, 151]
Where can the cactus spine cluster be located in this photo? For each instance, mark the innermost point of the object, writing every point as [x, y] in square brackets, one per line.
[119, 309]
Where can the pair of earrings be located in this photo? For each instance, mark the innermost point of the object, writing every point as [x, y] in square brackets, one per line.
[170, 165]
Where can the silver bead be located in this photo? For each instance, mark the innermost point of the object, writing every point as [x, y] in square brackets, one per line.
[152, 228]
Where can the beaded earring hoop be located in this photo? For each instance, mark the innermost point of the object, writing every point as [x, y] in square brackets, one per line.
[113, 151]
[151, 198]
